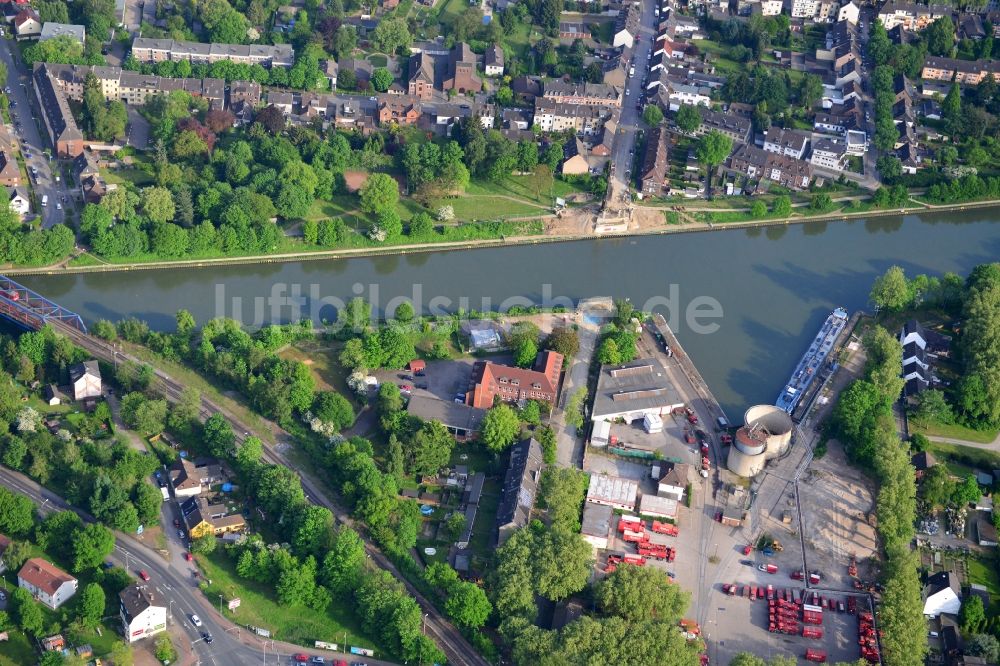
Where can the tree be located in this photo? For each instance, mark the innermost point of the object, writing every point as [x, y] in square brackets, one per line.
[940, 36]
[652, 115]
[688, 118]
[525, 352]
[810, 91]
[272, 118]
[890, 290]
[501, 427]
[158, 204]
[642, 593]
[344, 561]
[395, 465]
[782, 206]
[983, 645]
[546, 437]
[889, 167]
[164, 650]
[331, 407]
[27, 613]
[90, 546]
[972, 616]
[574, 408]
[967, 491]
[381, 79]
[564, 340]
[951, 107]
[391, 35]
[468, 606]
[562, 494]
[563, 564]
[712, 149]
[430, 449]
[17, 513]
[932, 407]
[936, 486]
[91, 605]
[380, 192]
[204, 545]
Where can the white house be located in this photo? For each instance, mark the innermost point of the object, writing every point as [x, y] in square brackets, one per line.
[142, 613]
[46, 582]
[850, 12]
[86, 380]
[27, 24]
[19, 202]
[50, 30]
[771, 7]
[786, 142]
[680, 93]
[942, 594]
[674, 482]
[828, 154]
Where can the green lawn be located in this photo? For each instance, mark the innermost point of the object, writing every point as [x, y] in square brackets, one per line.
[962, 459]
[983, 571]
[955, 431]
[379, 60]
[490, 208]
[128, 175]
[295, 624]
[523, 187]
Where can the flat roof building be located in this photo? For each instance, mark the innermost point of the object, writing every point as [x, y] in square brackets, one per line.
[631, 390]
[613, 491]
[596, 527]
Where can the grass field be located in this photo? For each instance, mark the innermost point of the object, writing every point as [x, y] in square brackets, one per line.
[983, 571]
[523, 187]
[295, 624]
[961, 460]
[491, 208]
[955, 431]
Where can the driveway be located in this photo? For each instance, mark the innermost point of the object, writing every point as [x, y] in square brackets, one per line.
[137, 133]
[569, 445]
[24, 109]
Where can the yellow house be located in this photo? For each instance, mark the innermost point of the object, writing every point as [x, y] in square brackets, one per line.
[212, 519]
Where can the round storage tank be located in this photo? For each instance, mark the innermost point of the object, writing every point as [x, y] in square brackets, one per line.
[744, 465]
[749, 442]
[774, 425]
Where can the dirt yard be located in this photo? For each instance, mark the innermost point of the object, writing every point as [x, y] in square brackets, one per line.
[837, 501]
[354, 180]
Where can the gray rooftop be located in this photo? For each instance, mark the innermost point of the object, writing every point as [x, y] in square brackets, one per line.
[638, 385]
[448, 412]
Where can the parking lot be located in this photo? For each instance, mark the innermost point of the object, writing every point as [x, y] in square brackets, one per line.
[442, 379]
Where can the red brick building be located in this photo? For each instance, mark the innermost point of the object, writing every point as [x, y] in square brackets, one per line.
[491, 381]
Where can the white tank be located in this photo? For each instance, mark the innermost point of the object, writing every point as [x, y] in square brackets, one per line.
[773, 426]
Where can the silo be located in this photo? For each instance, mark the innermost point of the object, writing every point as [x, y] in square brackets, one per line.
[743, 464]
[775, 426]
[747, 454]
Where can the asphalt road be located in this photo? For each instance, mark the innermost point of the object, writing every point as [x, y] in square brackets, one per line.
[458, 651]
[173, 580]
[24, 108]
[630, 120]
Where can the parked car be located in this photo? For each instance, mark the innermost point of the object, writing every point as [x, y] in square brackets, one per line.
[317, 660]
[407, 377]
[422, 385]
[301, 658]
[207, 636]
[405, 388]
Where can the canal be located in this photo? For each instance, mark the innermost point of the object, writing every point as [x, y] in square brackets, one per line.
[773, 285]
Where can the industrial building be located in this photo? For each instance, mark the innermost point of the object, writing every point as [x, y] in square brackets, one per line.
[613, 491]
[596, 526]
[766, 434]
[632, 390]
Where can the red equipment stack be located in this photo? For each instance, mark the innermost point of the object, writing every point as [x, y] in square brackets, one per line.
[867, 638]
[656, 551]
[665, 528]
[812, 632]
[812, 614]
[819, 656]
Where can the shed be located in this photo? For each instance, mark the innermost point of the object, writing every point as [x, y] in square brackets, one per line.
[601, 432]
[417, 365]
[658, 507]
[596, 526]
[613, 491]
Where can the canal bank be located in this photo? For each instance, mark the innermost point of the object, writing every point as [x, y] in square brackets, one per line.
[773, 285]
[346, 253]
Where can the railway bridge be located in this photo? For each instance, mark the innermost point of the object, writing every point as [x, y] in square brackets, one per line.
[29, 309]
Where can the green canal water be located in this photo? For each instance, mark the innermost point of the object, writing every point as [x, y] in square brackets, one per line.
[774, 285]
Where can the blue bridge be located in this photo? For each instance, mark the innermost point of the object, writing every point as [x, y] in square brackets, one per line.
[31, 310]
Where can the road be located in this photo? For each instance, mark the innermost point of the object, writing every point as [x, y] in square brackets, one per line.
[458, 651]
[630, 121]
[24, 108]
[871, 180]
[172, 580]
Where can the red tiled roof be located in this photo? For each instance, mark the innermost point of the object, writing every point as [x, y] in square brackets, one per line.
[43, 575]
[491, 379]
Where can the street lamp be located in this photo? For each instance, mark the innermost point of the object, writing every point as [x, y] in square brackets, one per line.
[424, 626]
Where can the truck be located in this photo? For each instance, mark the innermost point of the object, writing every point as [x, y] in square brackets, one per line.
[634, 537]
[729, 588]
[691, 416]
[796, 575]
[812, 632]
[770, 592]
[814, 577]
[665, 528]
[633, 523]
[812, 614]
[818, 656]
[768, 568]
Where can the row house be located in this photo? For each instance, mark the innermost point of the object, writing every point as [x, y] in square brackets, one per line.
[758, 164]
[493, 61]
[964, 72]
[149, 50]
[615, 69]
[653, 173]
[670, 49]
[627, 26]
[786, 142]
[575, 158]
[135, 88]
[399, 111]
[682, 93]
[841, 118]
[828, 153]
[850, 12]
[65, 136]
[818, 10]
[552, 116]
[735, 127]
[582, 94]
[677, 26]
[911, 16]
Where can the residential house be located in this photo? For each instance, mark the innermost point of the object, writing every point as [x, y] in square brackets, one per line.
[52, 395]
[64, 134]
[520, 486]
[282, 101]
[463, 421]
[674, 481]
[616, 68]
[189, 479]
[421, 81]
[786, 142]
[86, 380]
[10, 173]
[150, 50]
[526, 88]
[403, 111]
[552, 116]
[756, 163]
[18, 201]
[492, 381]
[920, 347]
[329, 69]
[653, 173]
[735, 127]
[575, 158]
[205, 519]
[626, 26]
[142, 612]
[493, 61]
[857, 142]
[46, 582]
[50, 30]
[849, 12]
[771, 7]
[632, 390]
[964, 72]
[604, 141]
[970, 26]
[247, 92]
[27, 24]
[362, 70]
[583, 94]
[942, 594]
[829, 154]
[680, 93]
[613, 491]
[471, 497]
[461, 75]
[910, 15]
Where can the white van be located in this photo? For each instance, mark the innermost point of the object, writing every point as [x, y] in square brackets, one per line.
[45, 200]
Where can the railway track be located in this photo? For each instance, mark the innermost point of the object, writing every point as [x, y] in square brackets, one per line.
[458, 650]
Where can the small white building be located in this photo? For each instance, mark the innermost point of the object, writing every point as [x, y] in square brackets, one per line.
[613, 491]
[19, 202]
[601, 433]
[46, 582]
[596, 526]
[142, 613]
[50, 30]
[942, 594]
[675, 481]
[850, 12]
[658, 507]
[652, 423]
[86, 380]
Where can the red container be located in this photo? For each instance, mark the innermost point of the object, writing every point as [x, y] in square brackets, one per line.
[818, 656]
[812, 632]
